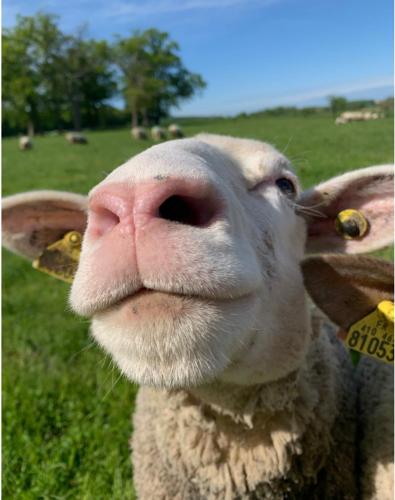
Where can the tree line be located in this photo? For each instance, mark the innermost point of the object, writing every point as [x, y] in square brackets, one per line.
[338, 104]
[55, 81]
[335, 106]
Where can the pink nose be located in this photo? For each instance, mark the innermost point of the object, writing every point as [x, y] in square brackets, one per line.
[189, 202]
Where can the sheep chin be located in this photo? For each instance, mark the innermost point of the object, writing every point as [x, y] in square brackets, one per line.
[174, 341]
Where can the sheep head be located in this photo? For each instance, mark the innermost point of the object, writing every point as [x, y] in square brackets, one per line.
[190, 262]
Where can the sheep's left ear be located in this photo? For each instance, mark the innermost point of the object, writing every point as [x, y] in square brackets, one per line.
[370, 192]
[348, 287]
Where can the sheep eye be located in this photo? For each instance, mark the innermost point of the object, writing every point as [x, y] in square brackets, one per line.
[286, 186]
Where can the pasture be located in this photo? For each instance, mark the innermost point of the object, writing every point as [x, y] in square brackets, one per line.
[66, 410]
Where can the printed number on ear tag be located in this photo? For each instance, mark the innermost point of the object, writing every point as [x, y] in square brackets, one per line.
[60, 259]
[374, 334]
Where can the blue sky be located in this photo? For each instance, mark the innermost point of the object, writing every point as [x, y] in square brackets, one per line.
[252, 53]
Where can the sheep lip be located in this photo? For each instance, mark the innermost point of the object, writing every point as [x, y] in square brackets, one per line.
[148, 291]
[141, 291]
[151, 291]
[131, 298]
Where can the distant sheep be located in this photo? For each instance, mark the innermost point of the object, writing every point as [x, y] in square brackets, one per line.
[356, 116]
[25, 143]
[139, 133]
[175, 131]
[191, 273]
[158, 133]
[76, 138]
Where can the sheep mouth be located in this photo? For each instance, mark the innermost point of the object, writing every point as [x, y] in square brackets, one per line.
[144, 292]
[156, 296]
[140, 292]
[149, 304]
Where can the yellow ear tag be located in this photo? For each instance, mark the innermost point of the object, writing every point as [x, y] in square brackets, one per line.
[351, 224]
[60, 259]
[374, 334]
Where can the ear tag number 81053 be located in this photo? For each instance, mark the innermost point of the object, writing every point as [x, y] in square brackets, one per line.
[374, 334]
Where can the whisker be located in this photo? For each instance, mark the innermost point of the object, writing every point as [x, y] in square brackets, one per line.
[85, 348]
[287, 145]
[309, 211]
[320, 204]
[112, 386]
[104, 360]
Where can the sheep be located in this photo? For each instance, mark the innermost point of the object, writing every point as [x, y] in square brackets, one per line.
[25, 143]
[158, 134]
[175, 131]
[352, 116]
[76, 138]
[244, 391]
[139, 133]
[340, 121]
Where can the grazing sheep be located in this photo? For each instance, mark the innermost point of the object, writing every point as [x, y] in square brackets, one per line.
[356, 116]
[25, 143]
[201, 300]
[139, 133]
[175, 131]
[76, 138]
[158, 134]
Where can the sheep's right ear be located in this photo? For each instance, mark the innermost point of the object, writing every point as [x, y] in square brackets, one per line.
[348, 287]
[31, 221]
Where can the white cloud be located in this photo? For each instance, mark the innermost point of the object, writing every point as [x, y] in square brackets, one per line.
[119, 9]
[304, 97]
[343, 88]
[168, 6]
[312, 94]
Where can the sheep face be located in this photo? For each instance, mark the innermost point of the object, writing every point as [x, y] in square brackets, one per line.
[189, 266]
[190, 258]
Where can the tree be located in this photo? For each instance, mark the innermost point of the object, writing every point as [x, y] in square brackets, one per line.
[46, 43]
[337, 104]
[26, 50]
[84, 76]
[387, 106]
[153, 77]
[132, 62]
[52, 77]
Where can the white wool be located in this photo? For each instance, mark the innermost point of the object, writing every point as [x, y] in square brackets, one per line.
[76, 138]
[139, 133]
[158, 133]
[25, 142]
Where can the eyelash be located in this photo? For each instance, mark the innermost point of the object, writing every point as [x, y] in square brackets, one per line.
[293, 190]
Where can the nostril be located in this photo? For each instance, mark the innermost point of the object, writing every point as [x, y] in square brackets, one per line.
[102, 220]
[187, 210]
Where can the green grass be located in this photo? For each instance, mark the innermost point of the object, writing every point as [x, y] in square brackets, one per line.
[66, 412]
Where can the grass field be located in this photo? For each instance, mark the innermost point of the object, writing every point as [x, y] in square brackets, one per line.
[66, 411]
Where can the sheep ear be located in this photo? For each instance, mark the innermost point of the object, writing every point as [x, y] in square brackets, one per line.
[31, 221]
[348, 287]
[370, 191]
